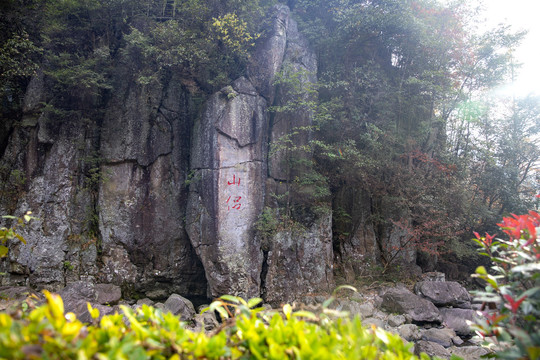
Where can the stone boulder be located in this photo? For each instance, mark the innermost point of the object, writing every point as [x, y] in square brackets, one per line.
[77, 294]
[432, 349]
[107, 294]
[409, 332]
[396, 320]
[444, 293]
[179, 305]
[206, 321]
[469, 352]
[442, 337]
[401, 300]
[457, 320]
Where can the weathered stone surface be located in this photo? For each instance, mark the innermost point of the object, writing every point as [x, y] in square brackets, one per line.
[107, 294]
[299, 61]
[433, 276]
[401, 300]
[76, 295]
[179, 305]
[440, 336]
[431, 348]
[134, 129]
[12, 296]
[157, 294]
[396, 320]
[78, 290]
[299, 259]
[299, 262]
[227, 189]
[229, 154]
[469, 352]
[457, 340]
[444, 293]
[268, 57]
[145, 145]
[206, 321]
[223, 206]
[145, 301]
[54, 192]
[457, 319]
[352, 307]
[409, 332]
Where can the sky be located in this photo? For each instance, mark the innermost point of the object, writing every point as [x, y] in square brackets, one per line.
[521, 15]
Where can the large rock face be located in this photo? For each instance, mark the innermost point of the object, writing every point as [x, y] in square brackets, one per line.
[157, 195]
[47, 157]
[145, 149]
[230, 154]
[227, 189]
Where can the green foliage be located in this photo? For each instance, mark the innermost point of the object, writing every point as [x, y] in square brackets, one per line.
[234, 34]
[267, 225]
[10, 233]
[209, 44]
[17, 60]
[513, 283]
[147, 333]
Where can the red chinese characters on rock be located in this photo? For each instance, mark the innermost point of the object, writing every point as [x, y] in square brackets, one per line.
[233, 201]
[234, 181]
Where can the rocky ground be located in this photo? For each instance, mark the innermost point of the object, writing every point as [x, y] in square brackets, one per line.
[433, 315]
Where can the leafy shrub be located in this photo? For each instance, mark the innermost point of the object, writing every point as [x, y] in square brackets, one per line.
[514, 285]
[10, 233]
[47, 333]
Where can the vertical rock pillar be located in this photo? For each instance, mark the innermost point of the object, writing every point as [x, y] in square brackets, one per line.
[229, 168]
[227, 188]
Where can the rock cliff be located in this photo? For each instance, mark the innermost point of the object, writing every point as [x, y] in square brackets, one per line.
[159, 195]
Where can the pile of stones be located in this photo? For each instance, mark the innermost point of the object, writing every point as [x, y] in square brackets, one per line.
[434, 316]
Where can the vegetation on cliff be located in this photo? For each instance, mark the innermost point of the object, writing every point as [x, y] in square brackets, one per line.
[404, 114]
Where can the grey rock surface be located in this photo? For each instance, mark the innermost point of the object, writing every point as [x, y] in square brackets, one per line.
[396, 320]
[457, 319]
[268, 57]
[107, 294]
[371, 321]
[299, 262]
[366, 310]
[145, 146]
[401, 300]
[76, 297]
[206, 321]
[440, 336]
[432, 349]
[469, 352]
[444, 293]
[179, 305]
[226, 194]
[409, 332]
